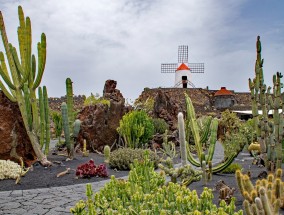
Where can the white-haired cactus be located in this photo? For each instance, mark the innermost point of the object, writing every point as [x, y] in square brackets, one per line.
[11, 170]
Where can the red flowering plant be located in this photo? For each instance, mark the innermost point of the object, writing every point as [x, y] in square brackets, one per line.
[89, 169]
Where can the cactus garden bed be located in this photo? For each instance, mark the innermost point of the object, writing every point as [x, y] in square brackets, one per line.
[44, 177]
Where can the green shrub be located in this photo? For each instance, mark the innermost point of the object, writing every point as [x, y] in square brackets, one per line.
[92, 100]
[147, 105]
[145, 193]
[136, 128]
[122, 158]
[232, 168]
[160, 125]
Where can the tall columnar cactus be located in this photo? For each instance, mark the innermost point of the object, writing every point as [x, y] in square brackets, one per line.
[269, 133]
[65, 125]
[73, 125]
[182, 139]
[47, 120]
[70, 103]
[23, 78]
[44, 119]
[213, 138]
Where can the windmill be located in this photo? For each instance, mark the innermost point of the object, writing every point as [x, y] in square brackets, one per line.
[182, 69]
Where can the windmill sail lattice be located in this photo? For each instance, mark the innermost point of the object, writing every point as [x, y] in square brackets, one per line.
[182, 58]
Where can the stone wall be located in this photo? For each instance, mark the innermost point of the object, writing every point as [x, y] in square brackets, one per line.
[202, 99]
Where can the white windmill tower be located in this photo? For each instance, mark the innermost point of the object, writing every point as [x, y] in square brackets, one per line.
[182, 69]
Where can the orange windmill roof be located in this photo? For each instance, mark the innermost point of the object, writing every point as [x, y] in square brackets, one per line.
[183, 67]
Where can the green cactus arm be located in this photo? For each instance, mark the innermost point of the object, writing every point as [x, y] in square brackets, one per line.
[41, 60]
[33, 71]
[7, 80]
[23, 74]
[190, 158]
[7, 93]
[28, 105]
[194, 127]
[8, 52]
[3, 67]
[42, 117]
[224, 165]
[213, 139]
[47, 120]
[206, 129]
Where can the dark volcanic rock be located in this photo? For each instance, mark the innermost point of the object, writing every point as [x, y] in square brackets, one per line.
[110, 92]
[12, 128]
[100, 121]
[166, 108]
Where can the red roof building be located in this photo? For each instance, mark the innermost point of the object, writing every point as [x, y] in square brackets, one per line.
[223, 92]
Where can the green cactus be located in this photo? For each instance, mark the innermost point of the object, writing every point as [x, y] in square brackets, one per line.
[65, 125]
[70, 103]
[182, 142]
[77, 126]
[107, 153]
[212, 139]
[145, 192]
[42, 117]
[23, 78]
[270, 191]
[136, 128]
[72, 124]
[269, 133]
[47, 120]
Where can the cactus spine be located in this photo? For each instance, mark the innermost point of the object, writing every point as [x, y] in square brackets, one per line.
[22, 79]
[269, 133]
[213, 138]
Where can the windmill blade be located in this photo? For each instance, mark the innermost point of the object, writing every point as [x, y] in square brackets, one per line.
[183, 54]
[196, 67]
[168, 67]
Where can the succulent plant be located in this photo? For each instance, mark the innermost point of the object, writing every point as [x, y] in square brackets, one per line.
[122, 158]
[269, 132]
[270, 191]
[146, 193]
[89, 169]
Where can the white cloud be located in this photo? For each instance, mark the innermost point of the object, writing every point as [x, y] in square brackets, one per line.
[91, 41]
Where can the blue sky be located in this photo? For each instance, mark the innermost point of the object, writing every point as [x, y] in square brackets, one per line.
[91, 41]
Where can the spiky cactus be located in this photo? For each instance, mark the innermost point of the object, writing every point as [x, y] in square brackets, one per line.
[182, 139]
[65, 125]
[23, 78]
[72, 124]
[270, 191]
[44, 119]
[213, 138]
[269, 133]
[107, 153]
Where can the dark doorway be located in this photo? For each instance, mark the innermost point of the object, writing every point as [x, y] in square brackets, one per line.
[184, 81]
